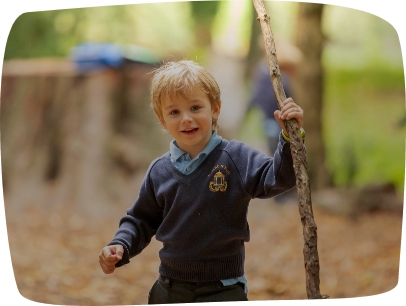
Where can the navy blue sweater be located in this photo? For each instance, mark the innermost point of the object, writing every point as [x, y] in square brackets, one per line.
[201, 218]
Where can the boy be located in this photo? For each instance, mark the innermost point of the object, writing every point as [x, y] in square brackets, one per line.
[195, 198]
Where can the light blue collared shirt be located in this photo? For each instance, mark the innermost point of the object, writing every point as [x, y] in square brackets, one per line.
[182, 161]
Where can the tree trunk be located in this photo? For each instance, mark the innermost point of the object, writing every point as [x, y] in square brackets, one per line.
[203, 13]
[308, 88]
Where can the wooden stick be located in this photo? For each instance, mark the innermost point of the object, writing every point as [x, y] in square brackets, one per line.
[311, 257]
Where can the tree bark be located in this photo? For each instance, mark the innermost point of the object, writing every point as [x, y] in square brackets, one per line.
[308, 86]
[311, 258]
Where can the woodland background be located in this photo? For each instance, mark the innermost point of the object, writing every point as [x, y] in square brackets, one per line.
[76, 144]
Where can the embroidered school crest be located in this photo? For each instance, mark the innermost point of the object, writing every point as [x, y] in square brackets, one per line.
[219, 183]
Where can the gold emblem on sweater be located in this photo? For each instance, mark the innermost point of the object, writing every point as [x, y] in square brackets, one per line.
[218, 183]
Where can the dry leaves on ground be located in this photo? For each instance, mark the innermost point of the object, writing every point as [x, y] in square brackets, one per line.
[55, 255]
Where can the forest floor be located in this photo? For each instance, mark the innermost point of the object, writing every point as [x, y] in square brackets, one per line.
[55, 255]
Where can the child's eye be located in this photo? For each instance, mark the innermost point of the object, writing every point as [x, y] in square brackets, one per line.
[195, 108]
[174, 112]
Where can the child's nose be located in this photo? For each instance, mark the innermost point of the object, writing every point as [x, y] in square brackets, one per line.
[186, 118]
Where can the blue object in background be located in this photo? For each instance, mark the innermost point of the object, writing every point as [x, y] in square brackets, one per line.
[96, 56]
[91, 56]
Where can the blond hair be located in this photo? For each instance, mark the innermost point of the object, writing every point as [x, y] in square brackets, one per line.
[182, 77]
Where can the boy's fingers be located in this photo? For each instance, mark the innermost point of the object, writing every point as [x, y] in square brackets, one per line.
[290, 106]
[292, 113]
[108, 257]
[119, 251]
[114, 251]
[112, 258]
[287, 100]
[106, 265]
[107, 269]
[277, 115]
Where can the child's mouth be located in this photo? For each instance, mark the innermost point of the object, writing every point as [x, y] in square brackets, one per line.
[190, 131]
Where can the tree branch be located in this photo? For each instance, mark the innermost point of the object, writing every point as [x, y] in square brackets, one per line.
[311, 257]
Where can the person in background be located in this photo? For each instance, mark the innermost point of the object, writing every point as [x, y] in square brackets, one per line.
[263, 96]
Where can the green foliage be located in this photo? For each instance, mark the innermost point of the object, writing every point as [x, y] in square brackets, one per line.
[252, 129]
[363, 126]
[43, 34]
[364, 141]
[204, 11]
[163, 27]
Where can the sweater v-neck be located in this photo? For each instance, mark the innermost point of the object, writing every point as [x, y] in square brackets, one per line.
[187, 179]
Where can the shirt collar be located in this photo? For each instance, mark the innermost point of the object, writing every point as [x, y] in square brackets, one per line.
[176, 152]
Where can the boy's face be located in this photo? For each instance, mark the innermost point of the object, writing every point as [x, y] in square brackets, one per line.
[189, 120]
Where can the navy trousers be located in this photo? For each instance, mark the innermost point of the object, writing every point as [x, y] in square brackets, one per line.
[166, 291]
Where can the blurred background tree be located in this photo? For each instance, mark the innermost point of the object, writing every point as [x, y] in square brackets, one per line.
[203, 14]
[310, 74]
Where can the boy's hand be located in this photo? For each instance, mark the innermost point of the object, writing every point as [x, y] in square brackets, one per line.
[289, 110]
[109, 256]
